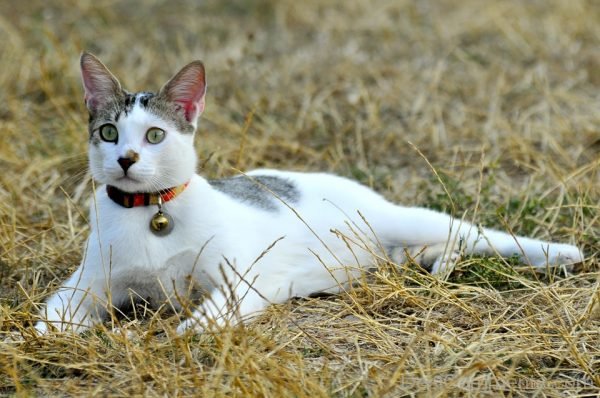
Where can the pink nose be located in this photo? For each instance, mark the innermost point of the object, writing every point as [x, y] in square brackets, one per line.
[125, 163]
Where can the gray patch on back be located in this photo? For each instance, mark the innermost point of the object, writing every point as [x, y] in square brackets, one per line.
[259, 191]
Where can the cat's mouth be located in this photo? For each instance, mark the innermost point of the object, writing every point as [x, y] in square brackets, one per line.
[127, 183]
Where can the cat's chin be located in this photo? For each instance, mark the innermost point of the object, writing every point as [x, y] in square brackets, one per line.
[128, 184]
[133, 185]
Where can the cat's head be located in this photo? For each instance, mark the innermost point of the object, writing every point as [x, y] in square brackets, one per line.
[142, 142]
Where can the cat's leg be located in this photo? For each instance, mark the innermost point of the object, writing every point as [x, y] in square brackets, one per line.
[80, 302]
[535, 252]
[436, 239]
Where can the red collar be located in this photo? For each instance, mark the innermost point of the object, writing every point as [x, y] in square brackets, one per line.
[129, 200]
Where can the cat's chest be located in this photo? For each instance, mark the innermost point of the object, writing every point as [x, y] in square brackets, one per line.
[203, 221]
[127, 237]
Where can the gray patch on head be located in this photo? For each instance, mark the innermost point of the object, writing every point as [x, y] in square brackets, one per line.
[122, 104]
[259, 191]
[107, 113]
[168, 111]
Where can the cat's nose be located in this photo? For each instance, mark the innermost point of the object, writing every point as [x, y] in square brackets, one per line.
[126, 163]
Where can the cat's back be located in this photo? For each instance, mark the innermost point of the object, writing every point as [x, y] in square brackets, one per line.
[269, 189]
[260, 190]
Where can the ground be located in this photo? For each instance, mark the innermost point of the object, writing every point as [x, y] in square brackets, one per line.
[487, 110]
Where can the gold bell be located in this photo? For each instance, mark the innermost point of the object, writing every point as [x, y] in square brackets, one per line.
[161, 224]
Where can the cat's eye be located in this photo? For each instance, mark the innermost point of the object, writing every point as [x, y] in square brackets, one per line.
[155, 135]
[109, 133]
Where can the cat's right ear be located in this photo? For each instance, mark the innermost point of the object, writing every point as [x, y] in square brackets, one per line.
[187, 89]
[101, 87]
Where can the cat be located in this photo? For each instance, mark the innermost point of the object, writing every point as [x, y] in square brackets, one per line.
[159, 231]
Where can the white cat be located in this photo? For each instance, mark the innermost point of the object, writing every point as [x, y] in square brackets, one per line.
[159, 231]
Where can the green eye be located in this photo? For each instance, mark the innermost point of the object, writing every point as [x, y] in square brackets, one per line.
[109, 133]
[155, 135]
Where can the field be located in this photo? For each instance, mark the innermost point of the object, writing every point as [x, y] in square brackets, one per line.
[487, 110]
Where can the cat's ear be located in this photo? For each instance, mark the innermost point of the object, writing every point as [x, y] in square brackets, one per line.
[187, 89]
[100, 86]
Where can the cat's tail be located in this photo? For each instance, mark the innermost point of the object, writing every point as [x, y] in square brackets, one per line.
[436, 241]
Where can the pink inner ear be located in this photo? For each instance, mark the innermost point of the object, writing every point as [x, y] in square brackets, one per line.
[192, 108]
[88, 88]
[89, 101]
[187, 89]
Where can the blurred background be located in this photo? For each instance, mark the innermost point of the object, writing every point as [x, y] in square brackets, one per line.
[335, 85]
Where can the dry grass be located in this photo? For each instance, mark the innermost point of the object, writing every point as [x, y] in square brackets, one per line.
[502, 98]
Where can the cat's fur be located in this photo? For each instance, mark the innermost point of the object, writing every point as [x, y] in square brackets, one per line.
[316, 239]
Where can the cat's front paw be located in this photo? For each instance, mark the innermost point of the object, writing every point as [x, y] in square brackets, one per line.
[45, 327]
[12, 337]
[56, 324]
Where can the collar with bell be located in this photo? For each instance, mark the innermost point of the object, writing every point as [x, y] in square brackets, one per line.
[161, 223]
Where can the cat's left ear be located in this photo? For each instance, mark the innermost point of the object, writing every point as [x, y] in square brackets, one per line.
[101, 87]
[187, 89]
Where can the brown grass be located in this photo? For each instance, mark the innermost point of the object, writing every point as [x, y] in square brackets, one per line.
[502, 98]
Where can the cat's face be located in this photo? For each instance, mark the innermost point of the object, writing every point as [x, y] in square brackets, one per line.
[142, 142]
